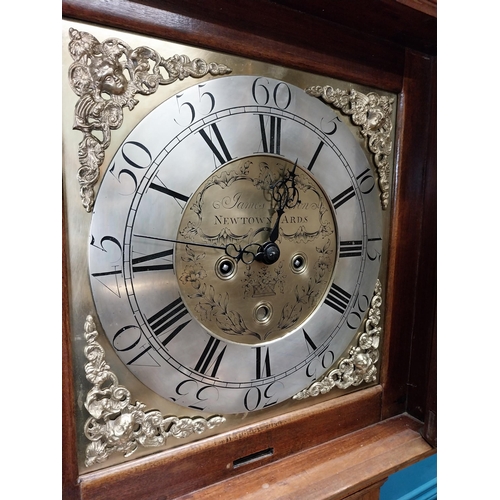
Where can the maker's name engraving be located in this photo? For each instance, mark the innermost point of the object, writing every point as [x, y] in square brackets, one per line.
[236, 201]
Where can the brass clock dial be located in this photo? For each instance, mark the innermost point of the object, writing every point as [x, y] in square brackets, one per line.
[235, 244]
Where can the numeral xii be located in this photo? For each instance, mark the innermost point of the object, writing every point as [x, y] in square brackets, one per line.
[271, 138]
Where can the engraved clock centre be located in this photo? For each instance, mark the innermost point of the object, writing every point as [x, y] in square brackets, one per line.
[249, 228]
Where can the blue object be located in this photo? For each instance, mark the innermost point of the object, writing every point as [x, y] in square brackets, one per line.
[417, 482]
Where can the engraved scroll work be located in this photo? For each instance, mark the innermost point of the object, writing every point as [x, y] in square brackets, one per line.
[98, 77]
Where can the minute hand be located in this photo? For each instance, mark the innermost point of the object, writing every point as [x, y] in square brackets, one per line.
[245, 254]
[180, 241]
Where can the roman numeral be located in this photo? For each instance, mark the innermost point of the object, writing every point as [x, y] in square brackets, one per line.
[169, 192]
[337, 298]
[311, 346]
[146, 361]
[350, 248]
[110, 283]
[152, 267]
[221, 154]
[208, 360]
[262, 363]
[271, 140]
[168, 316]
[315, 156]
[107, 273]
[346, 195]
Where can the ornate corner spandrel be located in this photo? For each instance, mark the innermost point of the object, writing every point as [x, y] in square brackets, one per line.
[360, 366]
[106, 77]
[116, 424]
[372, 113]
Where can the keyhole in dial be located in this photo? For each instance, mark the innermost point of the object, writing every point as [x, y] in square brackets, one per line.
[263, 313]
[298, 263]
[225, 268]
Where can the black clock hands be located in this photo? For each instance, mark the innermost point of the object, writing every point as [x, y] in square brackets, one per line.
[286, 195]
[245, 254]
[207, 245]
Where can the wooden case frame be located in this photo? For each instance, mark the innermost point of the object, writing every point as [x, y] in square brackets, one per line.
[395, 421]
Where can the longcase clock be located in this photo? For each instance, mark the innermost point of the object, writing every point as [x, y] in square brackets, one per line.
[232, 233]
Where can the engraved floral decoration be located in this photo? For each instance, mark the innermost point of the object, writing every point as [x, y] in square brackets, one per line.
[258, 282]
[308, 296]
[360, 365]
[209, 303]
[106, 77]
[264, 282]
[116, 424]
[193, 273]
[372, 113]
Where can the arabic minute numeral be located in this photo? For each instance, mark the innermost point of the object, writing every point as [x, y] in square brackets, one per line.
[355, 317]
[256, 397]
[334, 126]
[137, 156]
[112, 253]
[191, 388]
[375, 254]
[189, 110]
[128, 338]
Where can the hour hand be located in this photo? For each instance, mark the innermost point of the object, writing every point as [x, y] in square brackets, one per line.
[273, 235]
[286, 195]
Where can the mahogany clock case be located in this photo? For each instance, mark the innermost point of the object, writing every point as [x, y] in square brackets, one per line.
[391, 68]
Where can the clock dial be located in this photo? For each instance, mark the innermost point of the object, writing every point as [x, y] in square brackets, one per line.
[274, 233]
[235, 244]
